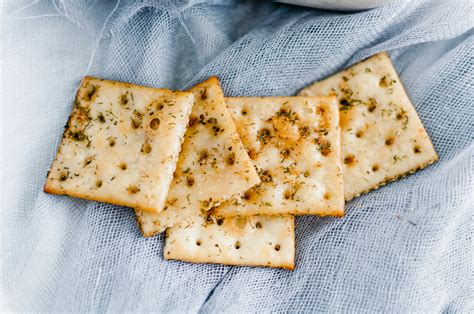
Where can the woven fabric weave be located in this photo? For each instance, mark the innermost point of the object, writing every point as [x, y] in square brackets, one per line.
[407, 247]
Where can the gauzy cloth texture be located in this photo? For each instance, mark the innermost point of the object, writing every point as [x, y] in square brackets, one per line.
[406, 247]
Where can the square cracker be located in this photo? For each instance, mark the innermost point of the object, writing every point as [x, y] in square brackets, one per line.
[121, 144]
[252, 241]
[295, 145]
[382, 136]
[213, 164]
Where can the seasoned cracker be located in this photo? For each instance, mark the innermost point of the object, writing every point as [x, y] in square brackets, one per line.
[121, 144]
[295, 145]
[382, 136]
[251, 241]
[213, 164]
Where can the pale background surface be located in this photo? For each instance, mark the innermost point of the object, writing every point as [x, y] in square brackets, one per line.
[405, 247]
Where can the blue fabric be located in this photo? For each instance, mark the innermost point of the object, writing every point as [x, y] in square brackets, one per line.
[406, 247]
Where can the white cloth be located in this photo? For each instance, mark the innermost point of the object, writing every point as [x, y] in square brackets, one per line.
[407, 247]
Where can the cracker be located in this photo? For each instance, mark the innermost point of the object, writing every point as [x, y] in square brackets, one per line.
[295, 145]
[382, 136]
[121, 144]
[252, 241]
[213, 164]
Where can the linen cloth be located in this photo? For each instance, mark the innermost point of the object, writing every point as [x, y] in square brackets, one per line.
[406, 247]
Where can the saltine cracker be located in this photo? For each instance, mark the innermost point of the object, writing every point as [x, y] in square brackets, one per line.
[213, 164]
[295, 145]
[244, 241]
[382, 136]
[121, 144]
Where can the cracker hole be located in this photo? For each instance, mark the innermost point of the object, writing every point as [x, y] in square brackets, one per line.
[266, 176]
[192, 121]
[375, 168]
[306, 173]
[399, 116]
[111, 142]
[216, 130]
[79, 135]
[258, 225]
[323, 145]
[277, 247]
[63, 176]
[123, 166]
[133, 189]
[417, 149]
[135, 122]
[287, 195]
[389, 141]
[98, 183]
[146, 148]
[325, 152]
[359, 134]
[190, 181]
[343, 102]
[230, 160]
[247, 195]
[198, 243]
[155, 124]
[349, 159]
[203, 157]
[237, 245]
[285, 152]
[240, 222]
[244, 112]
[371, 108]
[327, 196]
[253, 154]
[220, 221]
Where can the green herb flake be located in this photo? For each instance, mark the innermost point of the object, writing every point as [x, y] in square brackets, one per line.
[264, 136]
[265, 176]
[101, 117]
[90, 92]
[291, 116]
